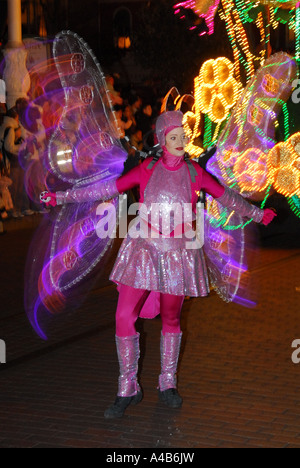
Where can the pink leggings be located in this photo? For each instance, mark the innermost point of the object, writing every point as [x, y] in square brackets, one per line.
[130, 303]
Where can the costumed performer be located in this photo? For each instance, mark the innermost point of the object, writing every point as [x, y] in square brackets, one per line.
[155, 272]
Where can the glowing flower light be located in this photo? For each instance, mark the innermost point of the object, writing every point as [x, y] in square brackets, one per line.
[218, 90]
[284, 166]
[251, 170]
[242, 158]
[191, 123]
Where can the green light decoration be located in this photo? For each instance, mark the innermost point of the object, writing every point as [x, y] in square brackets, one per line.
[248, 10]
[273, 13]
[224, 217]
[286, 117]
[266, 14]
[294, 203]
[207, 138]
[297, 32]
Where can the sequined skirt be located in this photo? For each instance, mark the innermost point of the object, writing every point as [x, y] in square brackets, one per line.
[161, 265]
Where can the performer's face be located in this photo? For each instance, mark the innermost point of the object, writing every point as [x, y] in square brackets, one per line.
[176, 141]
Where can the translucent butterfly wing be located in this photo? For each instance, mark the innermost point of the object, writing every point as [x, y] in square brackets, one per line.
[72, 243]
[243, 146]
[226, 259]
[86, 140]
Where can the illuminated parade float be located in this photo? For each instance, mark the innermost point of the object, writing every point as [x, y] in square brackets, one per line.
[239, 105]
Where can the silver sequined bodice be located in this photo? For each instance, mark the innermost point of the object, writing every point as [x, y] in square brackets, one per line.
[167, 200]
[158, 262]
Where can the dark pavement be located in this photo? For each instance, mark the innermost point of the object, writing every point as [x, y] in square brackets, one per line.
[236, 375]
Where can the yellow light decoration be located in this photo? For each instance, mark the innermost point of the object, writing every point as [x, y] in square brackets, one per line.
[191, 124]
[244, 44]
[187, 118]
[231, 34]
[217, 89]
[279, 156]
[270, 85]
[229, 156]
[203, 6]
[205, 9]
[287, 181]
[192, 131]
[260, 26]
[172, 95]
[255, 115]
[251, 171]
[284, 166]
[238, 39]
[280, 4]
[213, 208]
[294, 141]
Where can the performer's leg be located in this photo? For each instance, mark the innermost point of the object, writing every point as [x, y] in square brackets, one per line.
[170, 348]
[170, 311]
[130, 303]
[127, 341]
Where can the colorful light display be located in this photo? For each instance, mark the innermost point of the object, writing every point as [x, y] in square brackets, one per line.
[216, 90]
[250, 170]
[235, 13]
[249, 135]
[205, 9]
[284, 166]
[279, 3]
[244, 161]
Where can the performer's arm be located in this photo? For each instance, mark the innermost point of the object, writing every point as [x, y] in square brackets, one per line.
[129, 180]
[102, 190]
[233, 200]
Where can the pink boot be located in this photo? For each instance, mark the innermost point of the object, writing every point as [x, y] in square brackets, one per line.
[129, 390]
[169, 350]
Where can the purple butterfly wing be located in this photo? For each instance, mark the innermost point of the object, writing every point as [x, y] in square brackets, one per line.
[72, 242]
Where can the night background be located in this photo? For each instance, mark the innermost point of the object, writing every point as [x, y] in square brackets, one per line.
[161, 48]
[240, 361]
[148, 50]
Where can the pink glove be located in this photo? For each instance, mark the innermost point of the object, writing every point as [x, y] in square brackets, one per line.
[48, 198]
[269, 215]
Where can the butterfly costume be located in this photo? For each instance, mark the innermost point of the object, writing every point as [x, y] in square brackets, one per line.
[162, 258]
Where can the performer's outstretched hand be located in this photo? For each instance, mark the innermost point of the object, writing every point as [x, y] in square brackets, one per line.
[269, 215]
[48, 198]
